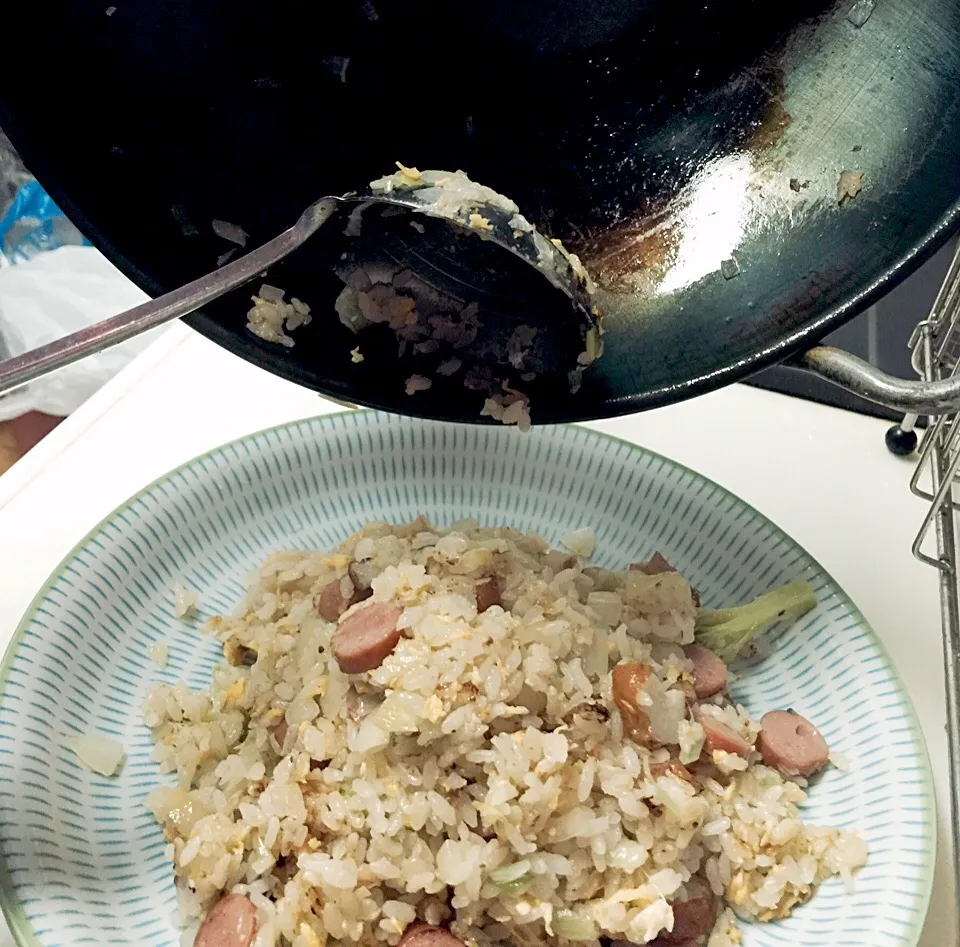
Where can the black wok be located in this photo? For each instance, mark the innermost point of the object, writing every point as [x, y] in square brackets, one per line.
[689, 151]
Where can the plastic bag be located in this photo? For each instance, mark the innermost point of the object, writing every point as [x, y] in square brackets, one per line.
[52, 282]
[13, 175]
[50, 295]
[34, 224]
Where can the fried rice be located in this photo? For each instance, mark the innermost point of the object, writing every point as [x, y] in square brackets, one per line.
[485, 777]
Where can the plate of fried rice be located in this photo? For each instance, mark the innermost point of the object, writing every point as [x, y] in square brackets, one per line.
[367, 680]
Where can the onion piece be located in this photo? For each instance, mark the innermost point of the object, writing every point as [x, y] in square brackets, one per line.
[98, 753]
[227, 231]
[581, 542]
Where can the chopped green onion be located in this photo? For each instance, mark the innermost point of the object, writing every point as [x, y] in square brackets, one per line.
[574, 925]
[512, 879]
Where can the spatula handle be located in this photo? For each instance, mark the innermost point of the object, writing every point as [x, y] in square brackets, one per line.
[180, 302]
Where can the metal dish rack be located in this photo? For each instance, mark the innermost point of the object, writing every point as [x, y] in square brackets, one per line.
[935, 346]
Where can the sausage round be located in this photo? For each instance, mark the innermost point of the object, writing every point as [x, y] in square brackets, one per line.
[718, 736]
[693, 917]
[365, 637]
[487, 593]
[232, 922]
[330, 603]
[655, 565]
[419, 934]
[709, 671]
[791, 744]
[628, 679]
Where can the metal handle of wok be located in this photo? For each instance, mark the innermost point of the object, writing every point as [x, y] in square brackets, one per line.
[932, 396]
[863, 379]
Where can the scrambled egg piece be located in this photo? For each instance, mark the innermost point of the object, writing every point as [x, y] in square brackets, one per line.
[309, 936]
[336, 562]
[409, 175]
[479, 222]
[233, 695]
[434, 709]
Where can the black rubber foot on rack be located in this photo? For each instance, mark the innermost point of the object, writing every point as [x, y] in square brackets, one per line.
[901, 442]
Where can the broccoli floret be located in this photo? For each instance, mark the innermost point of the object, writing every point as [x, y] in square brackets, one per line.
[727, 631]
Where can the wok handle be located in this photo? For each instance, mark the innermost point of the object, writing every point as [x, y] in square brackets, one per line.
[927, 398]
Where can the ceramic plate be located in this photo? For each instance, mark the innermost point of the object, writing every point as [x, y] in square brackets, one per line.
[83, 861]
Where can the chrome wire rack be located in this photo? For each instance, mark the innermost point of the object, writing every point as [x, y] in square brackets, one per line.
[935, 346]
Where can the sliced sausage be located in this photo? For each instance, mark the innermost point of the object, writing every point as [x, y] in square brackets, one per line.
[330, 603]
[655, 565]
[791, 744]
[718, 736]
[709, 671]
[487, 593]
[365, 637]
[419, 934]
[693, 917]
[232, 922]
[671, 768]
[628, 679]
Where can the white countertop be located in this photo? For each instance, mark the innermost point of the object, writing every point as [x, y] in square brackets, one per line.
[822, 474]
